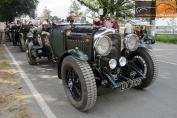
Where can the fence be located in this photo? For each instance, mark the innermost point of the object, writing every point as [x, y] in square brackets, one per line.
[166, 30]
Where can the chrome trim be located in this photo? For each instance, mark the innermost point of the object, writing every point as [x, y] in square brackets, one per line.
[112, 31]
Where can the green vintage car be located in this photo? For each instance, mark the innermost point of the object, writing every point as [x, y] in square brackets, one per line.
[90, 57]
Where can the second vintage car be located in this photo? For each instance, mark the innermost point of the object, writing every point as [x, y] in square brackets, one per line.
[90, 57]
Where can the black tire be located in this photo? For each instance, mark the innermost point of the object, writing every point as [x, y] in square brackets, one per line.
[151, 66]
[30, 57]
[85, 76]
[22, 45]
[150, 41]
[153, 41]
[26, 44]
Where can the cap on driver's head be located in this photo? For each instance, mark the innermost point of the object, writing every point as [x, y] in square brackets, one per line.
[45, 22]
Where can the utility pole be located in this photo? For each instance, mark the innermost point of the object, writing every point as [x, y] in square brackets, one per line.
[153, 26]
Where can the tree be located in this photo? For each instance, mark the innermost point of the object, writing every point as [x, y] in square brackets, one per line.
[119, 8]
[9, 9]
[75, 7]
[46, 13]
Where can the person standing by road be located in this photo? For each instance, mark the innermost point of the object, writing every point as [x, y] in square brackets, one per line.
[2, 32]
[128, 28]
[7, 31]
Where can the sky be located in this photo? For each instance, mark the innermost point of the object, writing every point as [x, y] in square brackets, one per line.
[58, 8]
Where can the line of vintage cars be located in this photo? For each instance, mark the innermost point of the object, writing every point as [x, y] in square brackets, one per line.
[90, 57]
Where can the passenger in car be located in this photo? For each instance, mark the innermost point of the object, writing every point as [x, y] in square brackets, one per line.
[115, 23]
[97, 21]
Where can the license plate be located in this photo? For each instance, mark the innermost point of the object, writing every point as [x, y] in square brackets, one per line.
[39, 51]
[129, 84]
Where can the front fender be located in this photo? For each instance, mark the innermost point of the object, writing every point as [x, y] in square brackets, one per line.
[76, 53]
[30, 44]
[145, 46]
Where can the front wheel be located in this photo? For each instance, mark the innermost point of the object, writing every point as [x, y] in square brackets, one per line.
[22, 45]
[30, 57]
[79, 83]
[145, 63]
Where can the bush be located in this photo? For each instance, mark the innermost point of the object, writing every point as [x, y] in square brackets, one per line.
[167, 38]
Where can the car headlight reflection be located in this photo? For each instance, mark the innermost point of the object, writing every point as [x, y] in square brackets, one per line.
[103, 45]
[131, 42]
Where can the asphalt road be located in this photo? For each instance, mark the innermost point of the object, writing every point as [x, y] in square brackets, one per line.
[157, 101]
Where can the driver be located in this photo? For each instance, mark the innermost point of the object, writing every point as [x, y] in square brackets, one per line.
[72, 17]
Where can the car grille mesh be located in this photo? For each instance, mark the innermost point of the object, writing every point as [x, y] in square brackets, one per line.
[83, 45]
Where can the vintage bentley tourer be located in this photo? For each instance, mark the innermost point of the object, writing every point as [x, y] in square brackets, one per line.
[90, 57]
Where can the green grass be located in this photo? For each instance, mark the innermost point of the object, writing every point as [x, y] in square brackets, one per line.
[167, 38]
[11, 98]
[6, 71]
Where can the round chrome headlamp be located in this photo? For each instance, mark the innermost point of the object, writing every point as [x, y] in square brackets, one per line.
[103, 45]
[122, 61]
[113, 63]
[131, 42]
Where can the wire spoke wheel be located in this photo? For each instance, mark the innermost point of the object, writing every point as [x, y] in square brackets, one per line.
[79, 83]
[31, 59]
[143, 62]
[74, 84]
[140, 66]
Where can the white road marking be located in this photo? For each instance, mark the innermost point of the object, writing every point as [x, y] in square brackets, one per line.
[41, 102]
[162, 49]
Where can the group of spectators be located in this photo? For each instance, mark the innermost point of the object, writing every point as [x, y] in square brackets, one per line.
[138, 30]
[110, 22]
[18, 28]
[12, 30]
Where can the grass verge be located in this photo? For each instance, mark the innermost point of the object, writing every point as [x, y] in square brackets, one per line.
[167, 38]
[12, 101]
